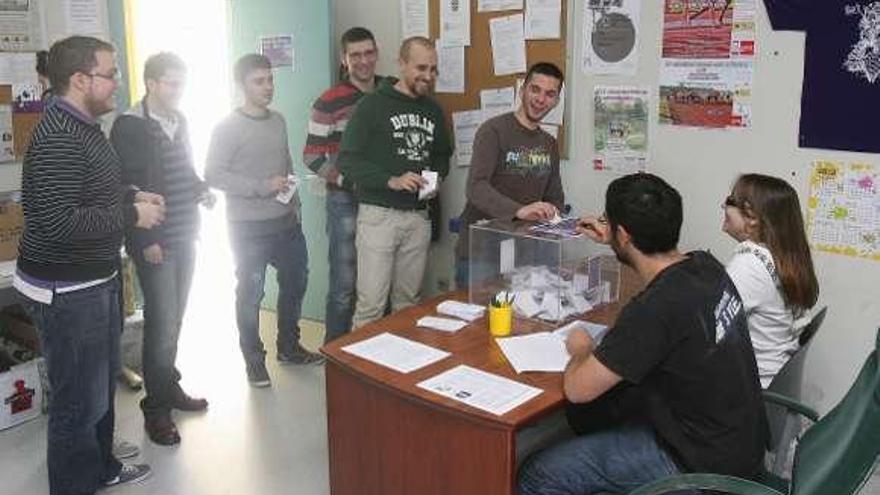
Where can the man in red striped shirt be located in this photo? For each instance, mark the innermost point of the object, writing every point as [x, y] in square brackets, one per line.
[330, 114]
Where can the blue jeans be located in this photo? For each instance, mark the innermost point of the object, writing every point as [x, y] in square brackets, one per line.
[613, 461]
[166, 289]
[286, 251]
[79, 335]
[342, 211]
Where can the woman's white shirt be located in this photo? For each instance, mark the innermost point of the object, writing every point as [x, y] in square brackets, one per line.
[771, 323]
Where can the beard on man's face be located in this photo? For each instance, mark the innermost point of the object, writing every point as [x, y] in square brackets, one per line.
[618, 249]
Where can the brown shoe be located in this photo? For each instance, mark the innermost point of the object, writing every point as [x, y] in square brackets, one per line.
[161, 429]
[184, 402]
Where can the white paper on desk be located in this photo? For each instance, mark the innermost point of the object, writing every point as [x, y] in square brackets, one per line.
[508, 44]
[458, 309]
[465, 125]
[543, 19]
[442, 324]
[540, 351]
[498, 5]
[395, 352]
[414, 18]
[495, 102]
[455, 22]
[433, 182]
[484, 391]
[450, 69]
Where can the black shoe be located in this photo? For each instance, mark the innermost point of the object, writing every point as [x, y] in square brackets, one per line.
[257, 374]
[183, 402]
[130, 473]
[299, 355]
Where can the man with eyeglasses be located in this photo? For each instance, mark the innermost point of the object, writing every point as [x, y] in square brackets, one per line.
[330, 114]
[76, 210]
[152, 140]
[395, 144]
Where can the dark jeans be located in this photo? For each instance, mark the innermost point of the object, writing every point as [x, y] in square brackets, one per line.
[166, 288]
[341, 295]
[613, 461]
[286, 251]
[79, 335]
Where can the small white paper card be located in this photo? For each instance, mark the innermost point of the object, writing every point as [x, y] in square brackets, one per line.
[430, 188]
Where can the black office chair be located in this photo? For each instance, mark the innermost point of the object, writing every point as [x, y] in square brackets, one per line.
[784, 424]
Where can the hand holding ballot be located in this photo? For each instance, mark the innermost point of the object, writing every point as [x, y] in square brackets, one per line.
[539, 210]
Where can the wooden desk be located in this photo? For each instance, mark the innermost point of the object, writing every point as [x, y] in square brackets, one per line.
[388, 437]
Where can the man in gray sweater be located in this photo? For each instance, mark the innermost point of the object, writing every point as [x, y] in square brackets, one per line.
[249, 160]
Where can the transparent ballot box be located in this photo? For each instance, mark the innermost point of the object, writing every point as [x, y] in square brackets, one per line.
[552, 276]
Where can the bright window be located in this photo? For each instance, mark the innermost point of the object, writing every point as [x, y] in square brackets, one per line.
[196, 31]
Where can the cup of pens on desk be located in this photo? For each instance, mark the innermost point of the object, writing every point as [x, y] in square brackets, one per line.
[501, 315]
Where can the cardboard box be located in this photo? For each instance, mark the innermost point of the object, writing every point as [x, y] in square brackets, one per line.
[21, 393]
[11, 227]
[18, 327]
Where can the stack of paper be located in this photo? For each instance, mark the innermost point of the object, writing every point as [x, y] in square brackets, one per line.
[465, 311]
[485, 391]
[535, 352]
[395, 352]
[444, 324]
[545, 351]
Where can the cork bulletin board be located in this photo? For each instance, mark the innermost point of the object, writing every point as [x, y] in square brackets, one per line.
[479, 69]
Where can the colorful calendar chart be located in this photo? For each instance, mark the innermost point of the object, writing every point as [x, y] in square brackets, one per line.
[844, 209]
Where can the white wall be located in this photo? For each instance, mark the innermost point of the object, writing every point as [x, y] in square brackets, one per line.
[702, 164]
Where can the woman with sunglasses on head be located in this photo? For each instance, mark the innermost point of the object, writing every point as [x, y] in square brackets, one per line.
[771, 267]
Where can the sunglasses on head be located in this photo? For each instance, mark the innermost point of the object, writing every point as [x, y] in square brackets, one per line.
[732, 201]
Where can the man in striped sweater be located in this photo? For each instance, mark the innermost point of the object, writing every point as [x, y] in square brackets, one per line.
[330, 113]
[152, 141]
[75, 211]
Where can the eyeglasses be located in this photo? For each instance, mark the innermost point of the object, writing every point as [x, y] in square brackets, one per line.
[114, 76]
[732, 202]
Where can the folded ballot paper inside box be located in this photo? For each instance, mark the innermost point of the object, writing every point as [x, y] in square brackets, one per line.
[553, 278]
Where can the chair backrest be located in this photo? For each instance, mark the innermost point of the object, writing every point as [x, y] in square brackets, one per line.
[838, 453]
[788, 381]
[810, 329]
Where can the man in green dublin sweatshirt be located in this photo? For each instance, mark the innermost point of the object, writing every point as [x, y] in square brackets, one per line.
[395, 149]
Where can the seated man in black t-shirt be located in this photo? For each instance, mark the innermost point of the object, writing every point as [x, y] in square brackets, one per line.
[673, 387]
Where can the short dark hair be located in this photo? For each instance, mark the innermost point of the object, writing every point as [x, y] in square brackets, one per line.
[160, 63]
[43, 63]
[249, 63]
[355, 35]
[648, 208]
[546, 69]
[408, 43]
[72, 55]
